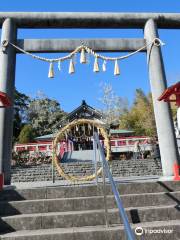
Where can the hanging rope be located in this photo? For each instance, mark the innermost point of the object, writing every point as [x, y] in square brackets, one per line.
[156, 42]
[83, 49]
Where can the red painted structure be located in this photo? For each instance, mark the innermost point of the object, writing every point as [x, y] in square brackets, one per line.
[171, 94]
[121, 141]
[118, 144]
[4, 102]
[176, 172]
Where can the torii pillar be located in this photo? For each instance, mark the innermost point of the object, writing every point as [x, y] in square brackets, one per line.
[163, 117]
[7, 79]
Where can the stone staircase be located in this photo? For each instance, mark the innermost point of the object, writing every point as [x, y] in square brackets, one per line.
[119, 168]
[84, 155]
[77, 212]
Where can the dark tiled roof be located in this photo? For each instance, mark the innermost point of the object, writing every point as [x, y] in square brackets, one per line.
[84, 108]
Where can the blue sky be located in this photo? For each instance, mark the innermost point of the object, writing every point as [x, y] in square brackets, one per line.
[69, 90]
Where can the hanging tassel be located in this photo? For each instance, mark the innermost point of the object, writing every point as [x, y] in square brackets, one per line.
[66, 135]
[96, 65]
[89, 126]
[83, 128]
[59, 65]
[104, 66]
[116, 68]
[98, 131]
[71, 67]
[51, 70]
[83, 56]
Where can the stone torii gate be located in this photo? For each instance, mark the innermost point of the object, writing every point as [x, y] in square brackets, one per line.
[150, 22]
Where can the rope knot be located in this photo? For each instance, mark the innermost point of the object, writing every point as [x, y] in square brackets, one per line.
[157, 42]
[4, 45]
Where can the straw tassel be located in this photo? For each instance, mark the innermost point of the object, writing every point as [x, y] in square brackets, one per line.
[66, 135]
[104, 66]
[98, 131]
[71, 67]
[59, 65]
[96, 65]
[83, 56]
[116, 68]
[89, 126]
[51, 70]
[83, 129]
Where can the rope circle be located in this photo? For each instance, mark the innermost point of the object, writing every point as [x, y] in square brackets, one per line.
[60, 136]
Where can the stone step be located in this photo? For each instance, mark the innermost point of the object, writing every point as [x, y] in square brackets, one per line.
[81, 168]
[77, 211]
[86, 190]
[113, 164]
[86, 203]
[84, 155]
[44, 173]
[87, 218]
[99, 232]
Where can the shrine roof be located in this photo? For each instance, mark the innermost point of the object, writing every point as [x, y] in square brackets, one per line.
[48, 136]
[121, 131]
[84, 107]
[169, 92]
[112, 131]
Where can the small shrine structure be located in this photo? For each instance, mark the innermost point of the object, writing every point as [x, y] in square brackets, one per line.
[171, 94]
[4, 100]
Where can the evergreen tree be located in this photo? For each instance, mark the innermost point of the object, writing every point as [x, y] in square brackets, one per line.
[45, 115]
[27, 134]
[21, 102]
[140, 117]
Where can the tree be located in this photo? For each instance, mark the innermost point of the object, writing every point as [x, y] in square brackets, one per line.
[27, 134]
[140, 117]
[45, 115]
[113, 105]
[21, 102]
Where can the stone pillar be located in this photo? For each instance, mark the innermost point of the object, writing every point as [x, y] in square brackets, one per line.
[163, 117]
[7, 77]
